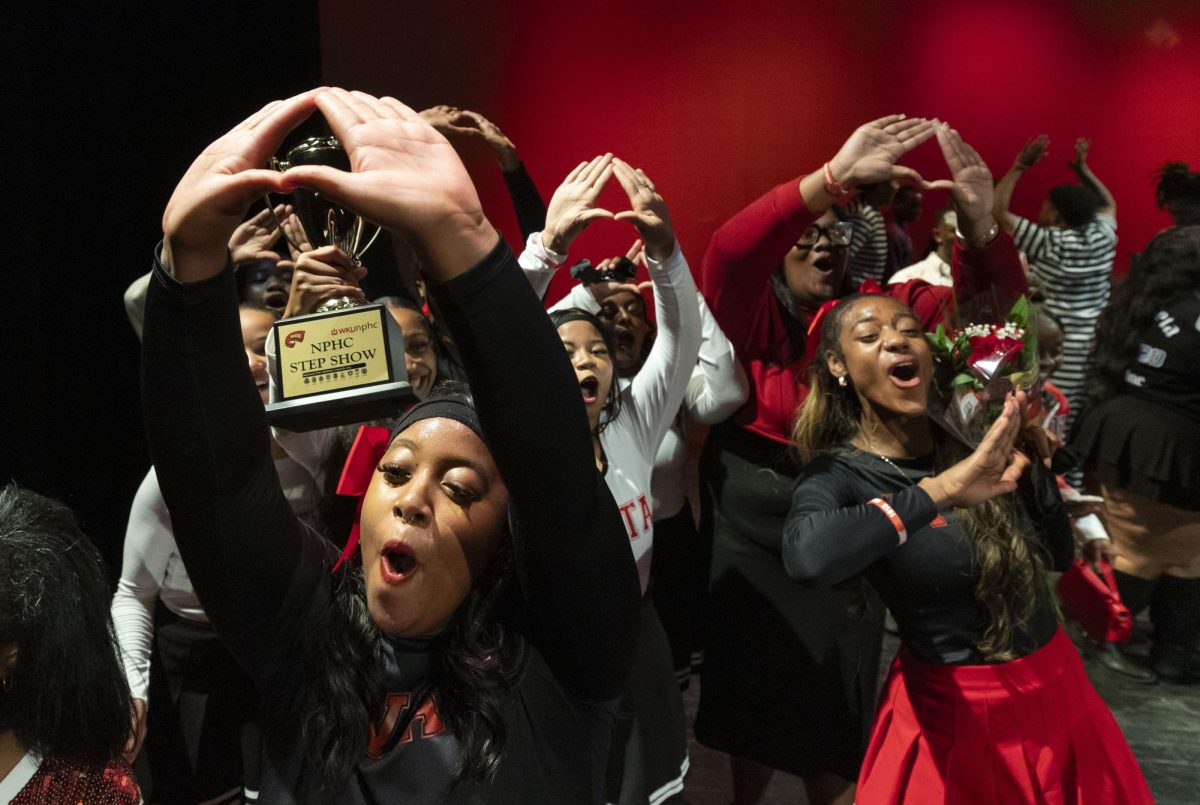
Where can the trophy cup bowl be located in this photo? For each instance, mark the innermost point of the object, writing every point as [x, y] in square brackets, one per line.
[324, 222]
[344, 362]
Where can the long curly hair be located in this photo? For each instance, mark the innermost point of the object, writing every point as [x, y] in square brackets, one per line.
[1010, 574]
[1169, 266]
[476, 659]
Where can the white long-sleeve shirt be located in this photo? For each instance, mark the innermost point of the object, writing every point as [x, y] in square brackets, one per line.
[152, 569]
[650, 402]
[717, 389]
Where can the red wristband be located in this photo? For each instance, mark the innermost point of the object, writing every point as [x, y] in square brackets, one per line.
[893, 518]
[832, 186]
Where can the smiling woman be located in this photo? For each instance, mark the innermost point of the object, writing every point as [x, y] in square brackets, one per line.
[885, 495]
[807, 655]
[475, 653]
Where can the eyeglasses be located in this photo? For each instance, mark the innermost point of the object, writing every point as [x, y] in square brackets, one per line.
[837, 233]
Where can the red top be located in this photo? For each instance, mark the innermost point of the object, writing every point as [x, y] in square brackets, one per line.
[735, 279]
[64, 784]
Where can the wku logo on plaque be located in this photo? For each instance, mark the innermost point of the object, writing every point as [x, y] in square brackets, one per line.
[293, 338]
[424, 723]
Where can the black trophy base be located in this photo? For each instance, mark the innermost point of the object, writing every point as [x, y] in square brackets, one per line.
[347, 407]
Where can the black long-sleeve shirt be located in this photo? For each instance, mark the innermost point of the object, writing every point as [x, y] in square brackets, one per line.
[527, 201]
[264, 578]
[928, 583]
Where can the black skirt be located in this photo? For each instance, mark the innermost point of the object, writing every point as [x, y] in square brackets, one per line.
[790, 673]
[679, 585]
[1140, 446]
[202, 735]
[648, 758]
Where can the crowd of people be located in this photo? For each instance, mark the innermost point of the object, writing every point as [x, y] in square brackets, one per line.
[499, 592]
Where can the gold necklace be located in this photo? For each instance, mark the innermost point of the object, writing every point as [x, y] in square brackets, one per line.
[892, 464]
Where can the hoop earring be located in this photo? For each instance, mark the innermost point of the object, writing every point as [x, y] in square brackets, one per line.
[6, 683]
[842, 381]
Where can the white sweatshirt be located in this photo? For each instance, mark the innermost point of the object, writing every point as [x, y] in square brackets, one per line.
[649, 403]
[717, 389]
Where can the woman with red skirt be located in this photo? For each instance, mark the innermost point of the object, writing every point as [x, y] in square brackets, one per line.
[987, 701]
[807, 657]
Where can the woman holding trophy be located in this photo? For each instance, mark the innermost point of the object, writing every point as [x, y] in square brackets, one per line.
[474, 651]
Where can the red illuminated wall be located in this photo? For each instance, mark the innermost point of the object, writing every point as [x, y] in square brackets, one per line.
[718, 101]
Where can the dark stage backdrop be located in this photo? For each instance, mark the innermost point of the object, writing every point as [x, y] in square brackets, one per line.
[718, 100]
[103, 111]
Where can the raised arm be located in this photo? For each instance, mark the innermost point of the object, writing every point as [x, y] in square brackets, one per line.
[1030, 154]
[743, 253]
[719, 386]
[659, 387]
[576, 571]
[749, 246]
[868, 244]
[1108, 204]
[572, 209]
[985, 262]
[464, 125]
[246, 552]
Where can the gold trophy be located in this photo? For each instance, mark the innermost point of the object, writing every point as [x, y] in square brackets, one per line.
[343, 363]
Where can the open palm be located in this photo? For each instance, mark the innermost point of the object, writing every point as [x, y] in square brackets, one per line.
[649, 211]
[404, 176]
[991, 470]
[255, 235]
[972, 188]
[573, 205]
[212, 197]
[871, 153]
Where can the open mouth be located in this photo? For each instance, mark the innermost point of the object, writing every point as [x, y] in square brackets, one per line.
[396, 562]
[275, 299]
[590, 387]
[905, 375]
[823, 263]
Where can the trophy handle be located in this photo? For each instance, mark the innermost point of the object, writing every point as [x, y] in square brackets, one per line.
[371, 242]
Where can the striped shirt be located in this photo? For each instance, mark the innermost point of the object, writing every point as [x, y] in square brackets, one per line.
[868, 244]
[1074, 267]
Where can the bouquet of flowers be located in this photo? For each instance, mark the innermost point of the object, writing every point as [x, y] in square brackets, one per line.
[977, 365]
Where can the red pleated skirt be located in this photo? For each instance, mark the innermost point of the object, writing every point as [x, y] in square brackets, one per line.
[1028, 731]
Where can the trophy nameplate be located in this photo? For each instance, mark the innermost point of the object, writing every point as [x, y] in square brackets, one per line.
[343, 363]
[338, 368]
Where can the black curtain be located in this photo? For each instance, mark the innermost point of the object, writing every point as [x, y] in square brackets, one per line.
[104, 108]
